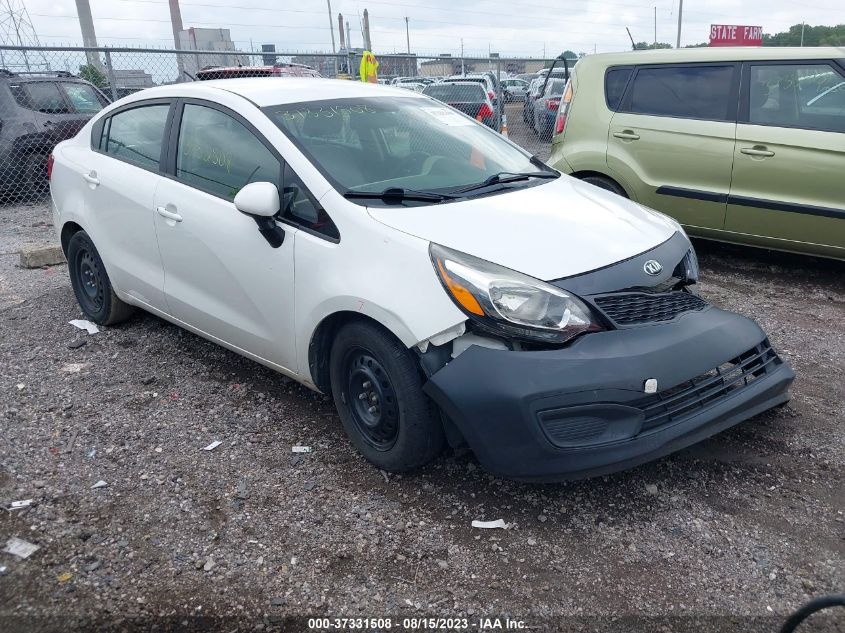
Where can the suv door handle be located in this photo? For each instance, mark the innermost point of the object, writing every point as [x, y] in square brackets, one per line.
[757, 150]
[628, 135]
[91, 178]
[170, 215]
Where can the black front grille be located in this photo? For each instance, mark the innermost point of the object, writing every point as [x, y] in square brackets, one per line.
[630, 308]
[702, 392]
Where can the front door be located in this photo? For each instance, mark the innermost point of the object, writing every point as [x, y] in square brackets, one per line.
[788, 188]
[221, 276]
[672, 140]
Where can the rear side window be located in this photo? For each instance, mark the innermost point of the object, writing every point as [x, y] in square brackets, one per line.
[136, 135]
[218, 154]
[614, 86]
[689, 92]
[43, 96]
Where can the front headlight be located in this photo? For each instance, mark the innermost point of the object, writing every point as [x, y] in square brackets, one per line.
[508, 302]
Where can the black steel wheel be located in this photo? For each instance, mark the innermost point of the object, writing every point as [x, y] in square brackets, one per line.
[376, 384]
[91, 283]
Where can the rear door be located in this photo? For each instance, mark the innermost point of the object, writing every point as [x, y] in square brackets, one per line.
[672, 139]
[788, 187]
[120, 177]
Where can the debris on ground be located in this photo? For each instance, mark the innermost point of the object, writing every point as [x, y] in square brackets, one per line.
[300, 449]
[64, 577]
[489, 525]
[84, 324]
[23, 503]
[212, 446]
[20, 548]
[99, 484]
[73, 368]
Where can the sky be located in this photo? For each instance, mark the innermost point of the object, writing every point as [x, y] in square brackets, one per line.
[535, 28]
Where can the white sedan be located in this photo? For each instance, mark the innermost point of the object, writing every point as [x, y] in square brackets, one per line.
[441, 283]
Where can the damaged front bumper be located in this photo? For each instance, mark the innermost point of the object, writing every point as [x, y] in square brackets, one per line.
[583, 411]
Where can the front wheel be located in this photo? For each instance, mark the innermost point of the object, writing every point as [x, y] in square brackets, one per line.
[377, 389]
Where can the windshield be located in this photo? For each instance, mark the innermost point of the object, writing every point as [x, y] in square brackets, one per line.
[373, 144]
[456, 93]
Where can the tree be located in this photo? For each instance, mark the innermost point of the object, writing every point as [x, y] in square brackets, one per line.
[645, 46]
[89, 72]
[813, 36]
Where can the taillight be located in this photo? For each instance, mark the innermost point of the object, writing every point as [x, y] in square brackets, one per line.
[552, 104]
[50, 167]
[491, 96]
[485, 111]
[563, 110]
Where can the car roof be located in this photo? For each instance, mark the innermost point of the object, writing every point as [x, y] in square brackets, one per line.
[267, 91]
[714, 54]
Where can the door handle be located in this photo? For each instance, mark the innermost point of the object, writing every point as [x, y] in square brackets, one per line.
[91, 178]
[627, 135]
[757, 150]
[170, 215]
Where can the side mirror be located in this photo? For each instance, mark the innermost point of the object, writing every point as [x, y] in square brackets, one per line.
[260, 199]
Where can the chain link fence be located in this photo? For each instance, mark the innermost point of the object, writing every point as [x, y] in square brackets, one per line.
[47, 94]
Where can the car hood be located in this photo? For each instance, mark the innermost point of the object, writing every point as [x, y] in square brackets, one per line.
[555, 229]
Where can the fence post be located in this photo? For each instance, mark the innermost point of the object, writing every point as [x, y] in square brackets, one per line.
[500, 98]
[112, 80]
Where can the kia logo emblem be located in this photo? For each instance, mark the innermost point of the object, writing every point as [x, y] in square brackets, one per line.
[652, 267]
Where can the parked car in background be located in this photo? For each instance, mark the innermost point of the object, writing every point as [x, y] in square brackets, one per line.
[410, 85]
[481, 78]
[514, 89]
[397, 81]
[278, 70]
[545, 108]
[37, 110]
[441, 283]
[534, 88]
[743, 145]
[469, 97]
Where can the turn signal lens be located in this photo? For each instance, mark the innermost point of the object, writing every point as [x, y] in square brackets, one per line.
[462, 295]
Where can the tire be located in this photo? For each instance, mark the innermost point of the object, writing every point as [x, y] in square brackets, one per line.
[606, 183]
[377, 389]
[36, 184]
[91, 283]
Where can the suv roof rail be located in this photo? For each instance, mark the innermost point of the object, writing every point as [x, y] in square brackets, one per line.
[46, 73]
[5, 72]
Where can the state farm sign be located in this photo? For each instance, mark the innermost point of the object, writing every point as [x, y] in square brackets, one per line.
[735, 35]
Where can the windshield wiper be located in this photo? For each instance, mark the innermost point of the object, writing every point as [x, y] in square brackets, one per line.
[398, 194]
[506, 176]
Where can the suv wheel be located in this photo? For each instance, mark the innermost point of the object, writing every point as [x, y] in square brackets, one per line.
[91, 283]
[377, 389]
[606, 183]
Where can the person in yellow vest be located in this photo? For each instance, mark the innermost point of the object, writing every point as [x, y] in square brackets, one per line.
[369, 68]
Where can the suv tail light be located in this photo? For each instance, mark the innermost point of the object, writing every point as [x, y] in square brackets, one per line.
[485, 111]
[50, 161]
[552, 104]
[566, 100]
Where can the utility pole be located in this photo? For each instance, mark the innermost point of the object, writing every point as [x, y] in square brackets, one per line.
[655, 27]
[331, 25]
[407, 35]
[89, 38]
[176, 25]
[680, 17]
[348, 35]
[802, 33]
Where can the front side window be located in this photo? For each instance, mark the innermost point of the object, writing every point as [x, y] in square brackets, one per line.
[689, 92]
[83, 98]
[220, 155]
[299, 207]
[374, 144]
[136, 135]
[808, 96]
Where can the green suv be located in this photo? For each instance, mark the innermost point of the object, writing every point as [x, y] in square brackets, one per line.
[743, 145]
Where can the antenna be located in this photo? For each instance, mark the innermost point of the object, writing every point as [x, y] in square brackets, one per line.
[16, 30]
[633, 46]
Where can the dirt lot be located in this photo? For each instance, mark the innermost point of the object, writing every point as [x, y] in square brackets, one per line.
[730, 535]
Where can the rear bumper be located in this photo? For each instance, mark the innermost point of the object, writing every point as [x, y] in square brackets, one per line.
[581, 411]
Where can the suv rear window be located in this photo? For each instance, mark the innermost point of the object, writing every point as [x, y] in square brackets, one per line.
[614, 85]
[43, 96]
[456, 93]
[689, 92]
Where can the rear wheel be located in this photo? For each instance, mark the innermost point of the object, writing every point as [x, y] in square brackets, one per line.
[91, 283]
[377, 389]
[606, 183]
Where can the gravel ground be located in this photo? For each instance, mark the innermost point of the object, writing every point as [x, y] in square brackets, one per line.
[730, 535]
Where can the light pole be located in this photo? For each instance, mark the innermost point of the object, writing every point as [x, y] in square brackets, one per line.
[680, 17]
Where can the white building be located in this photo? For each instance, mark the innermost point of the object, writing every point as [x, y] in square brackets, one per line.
[193, 39]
